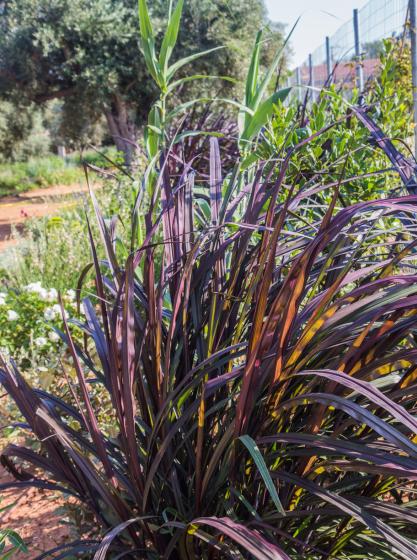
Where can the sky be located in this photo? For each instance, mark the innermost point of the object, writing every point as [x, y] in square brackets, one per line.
[318, 19]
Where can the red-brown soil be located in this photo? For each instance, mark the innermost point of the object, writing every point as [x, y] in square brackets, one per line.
[15, 210]
[35, 516]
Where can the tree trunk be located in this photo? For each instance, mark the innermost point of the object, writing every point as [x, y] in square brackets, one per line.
[122, 129]
[62, 152]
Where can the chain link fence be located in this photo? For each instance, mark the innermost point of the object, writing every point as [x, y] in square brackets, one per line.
[338, 55]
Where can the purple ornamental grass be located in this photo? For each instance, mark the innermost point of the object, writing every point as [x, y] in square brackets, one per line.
[259, 355]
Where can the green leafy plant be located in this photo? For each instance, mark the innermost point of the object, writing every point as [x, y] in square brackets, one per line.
[344, 148]
[27, 321]
[54, 249]
[112, 86]
[163, 73]
[256, 112]
[10, 541]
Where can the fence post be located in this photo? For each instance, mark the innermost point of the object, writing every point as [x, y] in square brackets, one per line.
[311, 75]
[359, 69]
[299, 83]
[413, 37]
[328, 60]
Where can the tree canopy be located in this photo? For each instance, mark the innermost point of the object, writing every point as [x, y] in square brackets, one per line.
[86, 53]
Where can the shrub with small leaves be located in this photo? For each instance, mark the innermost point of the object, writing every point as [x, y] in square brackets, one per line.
[28, 321]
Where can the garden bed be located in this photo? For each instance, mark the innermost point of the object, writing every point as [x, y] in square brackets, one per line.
[36, 515]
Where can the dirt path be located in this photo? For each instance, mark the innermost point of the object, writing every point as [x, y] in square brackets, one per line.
[35, 516]
[15, 210]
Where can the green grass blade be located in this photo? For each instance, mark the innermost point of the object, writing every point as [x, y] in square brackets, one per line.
[170, 37]
[271, 70]
[253, 449]
[145, 24]
[148, 42]
[186, 60]
[253, 73]
[262, 114]
[153, 132]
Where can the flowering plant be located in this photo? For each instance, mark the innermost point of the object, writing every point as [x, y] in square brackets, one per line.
[29, 320]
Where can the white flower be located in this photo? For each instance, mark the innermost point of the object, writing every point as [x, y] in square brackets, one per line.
[43, 294]
[58, 311]
[2, 300]
[40, 341]
[52, 295]
[12, 315]
[53, 336]
[36, 288]
[33, 287]
[54, 312]
[71, 294]
[49, 314]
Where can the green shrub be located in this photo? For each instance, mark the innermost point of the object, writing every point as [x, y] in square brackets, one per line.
[103, 158]
[46, 251]
[22, 132]
[37, 172]
[344, 150]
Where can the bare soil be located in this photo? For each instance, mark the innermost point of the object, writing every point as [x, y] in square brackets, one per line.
[15, 210]
[35, 517]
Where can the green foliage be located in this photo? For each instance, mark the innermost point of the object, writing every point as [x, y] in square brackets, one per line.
[22, 134]
[102, 158]
[44, 171]
[391, 92]
[67, 126]
[51, 170]
[48, 252]
[10, 543]
[344, 149]
[86, 53]
[256, 111]
[163, 74]
[54, 249]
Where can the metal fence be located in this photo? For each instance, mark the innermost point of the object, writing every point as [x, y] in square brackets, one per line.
[354, 42]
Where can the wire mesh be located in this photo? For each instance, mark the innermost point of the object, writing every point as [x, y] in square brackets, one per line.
[378, 19]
